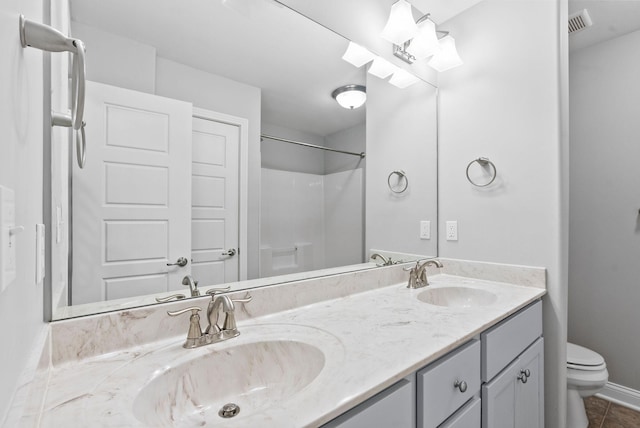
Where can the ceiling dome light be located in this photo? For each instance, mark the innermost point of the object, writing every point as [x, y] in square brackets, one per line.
[350, 96]
[400, 26]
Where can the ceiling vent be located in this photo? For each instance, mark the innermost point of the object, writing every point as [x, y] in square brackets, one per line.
[579, 21]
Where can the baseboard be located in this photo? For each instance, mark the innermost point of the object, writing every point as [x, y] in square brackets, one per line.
[621, 395]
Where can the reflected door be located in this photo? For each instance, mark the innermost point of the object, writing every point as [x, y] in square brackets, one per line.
[215, 201]
[131, 202]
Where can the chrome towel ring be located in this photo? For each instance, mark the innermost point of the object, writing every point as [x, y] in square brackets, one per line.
[398, 187]
[482, 162]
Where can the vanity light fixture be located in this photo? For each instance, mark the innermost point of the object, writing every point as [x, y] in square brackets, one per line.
[350, 96]
[357, 56]
[403, 79]
[448, 57]
[421, 40]
[400, 25]
[382, 68]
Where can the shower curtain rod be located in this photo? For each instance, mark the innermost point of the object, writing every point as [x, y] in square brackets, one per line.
[313, 146]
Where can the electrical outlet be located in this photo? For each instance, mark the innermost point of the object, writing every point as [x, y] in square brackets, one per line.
[452, 231]
[425, 229]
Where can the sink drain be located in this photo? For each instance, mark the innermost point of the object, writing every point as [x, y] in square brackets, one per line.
[229, 410]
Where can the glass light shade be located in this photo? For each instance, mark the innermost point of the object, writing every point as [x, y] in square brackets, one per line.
[400, 25]
[350, 96]
[357, 55]
[382, 68]
[425, 43]
[448, 57]
[403, 79]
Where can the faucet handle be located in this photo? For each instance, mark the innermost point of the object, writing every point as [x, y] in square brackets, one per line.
[213, 291]
[194, 334]
[194, 311]
[246, 299]
[169, 298]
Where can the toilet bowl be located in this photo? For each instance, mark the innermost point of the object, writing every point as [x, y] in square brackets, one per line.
[586, 375]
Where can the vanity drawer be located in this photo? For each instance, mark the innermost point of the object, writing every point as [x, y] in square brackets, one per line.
[438, 398]
[503, 342]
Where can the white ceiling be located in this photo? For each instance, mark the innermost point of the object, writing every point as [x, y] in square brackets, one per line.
[443, 10]
[295, 61]
[611, 18]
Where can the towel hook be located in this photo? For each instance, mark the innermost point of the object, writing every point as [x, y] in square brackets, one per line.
[482, 162]
[49, 39]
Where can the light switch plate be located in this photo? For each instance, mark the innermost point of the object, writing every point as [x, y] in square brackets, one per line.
[40, 260]
[7, 237]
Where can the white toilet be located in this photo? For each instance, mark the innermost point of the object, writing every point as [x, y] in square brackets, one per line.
[586, 375]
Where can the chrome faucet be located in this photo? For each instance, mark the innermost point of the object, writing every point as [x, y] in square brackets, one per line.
[193, 285]
[418, 273]
[213, 333]
[385, 261]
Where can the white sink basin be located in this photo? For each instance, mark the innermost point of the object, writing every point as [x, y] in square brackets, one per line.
[457, 297]
[254, 376]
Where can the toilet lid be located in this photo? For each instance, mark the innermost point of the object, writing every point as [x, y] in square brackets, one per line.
[581, 356]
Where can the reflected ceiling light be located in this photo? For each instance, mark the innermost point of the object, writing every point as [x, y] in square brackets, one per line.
[448, 57]
[382, 68]
[403, 79]
[357, 55]
[350, 96]
[400, 25]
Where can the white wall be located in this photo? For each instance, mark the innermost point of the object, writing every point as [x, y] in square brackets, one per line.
[503, 104]
[605, 197]
[21, 120]
[401, 135]
[115, 60]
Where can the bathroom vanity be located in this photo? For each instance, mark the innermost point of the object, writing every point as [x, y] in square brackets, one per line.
[496, 381]
[350, 350]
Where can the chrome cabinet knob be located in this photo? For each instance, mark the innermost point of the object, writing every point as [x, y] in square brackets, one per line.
[182, 262]
[461, 385]
[230, 252]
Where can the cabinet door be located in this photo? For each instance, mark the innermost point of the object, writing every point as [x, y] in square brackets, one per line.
[514, 400]
[499, 400]
[394, 407]
[529, 402]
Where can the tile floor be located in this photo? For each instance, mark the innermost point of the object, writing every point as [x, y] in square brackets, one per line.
[605, 414]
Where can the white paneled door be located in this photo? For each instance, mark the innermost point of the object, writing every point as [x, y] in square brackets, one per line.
[132, 201]
[215, 201]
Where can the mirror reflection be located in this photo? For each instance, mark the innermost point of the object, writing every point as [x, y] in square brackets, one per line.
[195, 172]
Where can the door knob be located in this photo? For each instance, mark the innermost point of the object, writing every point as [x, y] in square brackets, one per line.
[230, 252]
[182, 262]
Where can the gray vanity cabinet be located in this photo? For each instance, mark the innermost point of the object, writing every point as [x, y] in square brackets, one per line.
[393, 408]
[513, 398]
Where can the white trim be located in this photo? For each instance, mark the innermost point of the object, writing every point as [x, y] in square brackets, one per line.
[621, 395]
[243, 125]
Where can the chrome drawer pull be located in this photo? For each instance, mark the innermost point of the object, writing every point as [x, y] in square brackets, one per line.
[461, 385]
[524, 375]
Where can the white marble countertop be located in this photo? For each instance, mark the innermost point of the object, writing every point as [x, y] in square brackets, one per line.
[370, 340]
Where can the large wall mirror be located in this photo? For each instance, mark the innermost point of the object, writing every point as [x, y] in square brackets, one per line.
[194, 113]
